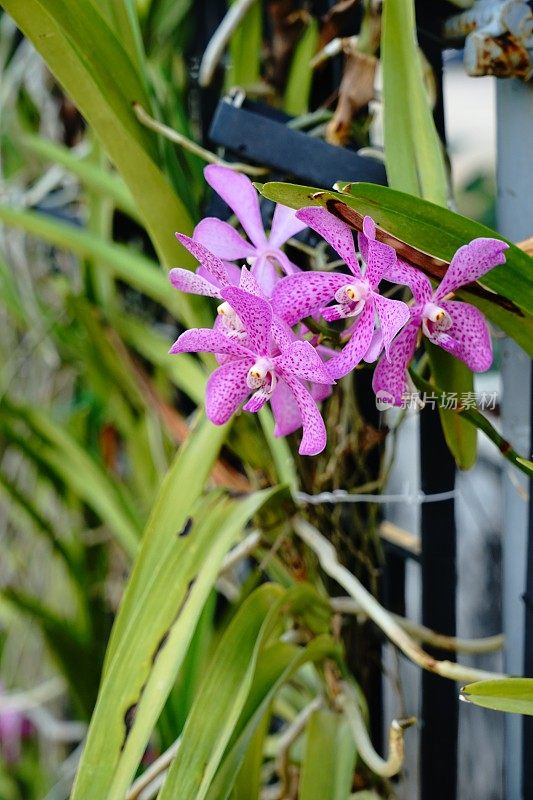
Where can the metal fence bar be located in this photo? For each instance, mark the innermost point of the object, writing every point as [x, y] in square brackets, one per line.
[438, 741]
[514, 101]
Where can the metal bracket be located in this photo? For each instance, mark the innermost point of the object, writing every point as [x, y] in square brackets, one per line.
[260, 134]
[498, 38]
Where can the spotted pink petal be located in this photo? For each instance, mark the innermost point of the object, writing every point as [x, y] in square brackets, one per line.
[187, 281]
[206, 258]
[226, 390]
[238, 192]
[390, 377]
[418, 283]
[380, 259]
[222, 239]
[285, 410]
[249, 284]
[364, 237]
[255, 314]
[282, 333]
[469, 336]
[314, 431]
[233, 275]
[302, 360]
[336, 233]
[393, 315]
[358, 344]
[471, 262]
[298, 296]
[207, 340]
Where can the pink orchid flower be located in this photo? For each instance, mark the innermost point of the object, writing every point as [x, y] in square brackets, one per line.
[301, 295]
[14, 728]
[455, 326]
[255, 369]
[210, 278]
[224, 241]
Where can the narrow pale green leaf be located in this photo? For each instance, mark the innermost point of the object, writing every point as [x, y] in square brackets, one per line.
[125, 263]
[413, 152]
[453, 376]
[70, 463]
[97, 73]
[220, 699]
[329, 758]
[145, 661]
[92, 176]
[248, 781]
[170, 513]
[246, 48]
[224, 530]
[230, 703]
[278, 662]
[514, 695]
[300, 78]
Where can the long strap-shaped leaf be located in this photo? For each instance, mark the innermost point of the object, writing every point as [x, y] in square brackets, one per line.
[89, 61]
[148, 655]
[64, 458]
[228, 703]
[329, 758]
[276, 664]
[413, 152]
[181, 488]
[123, 262]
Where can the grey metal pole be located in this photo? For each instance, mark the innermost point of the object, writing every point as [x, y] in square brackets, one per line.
[514, 105]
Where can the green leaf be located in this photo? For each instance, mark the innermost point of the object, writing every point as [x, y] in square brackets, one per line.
[220, 699]
[514, 695]
[231, 703]
[329, 758]
[246, 46]
[475, 418]
[453, 376]
[71, 553]
[96, 71]
[191, 468]
[277, 663]
[300, 78]
[131, 267]
[62, 456]
[437, 231]
[413, 152]
[72, 652]
[90, 174]
[146, 659]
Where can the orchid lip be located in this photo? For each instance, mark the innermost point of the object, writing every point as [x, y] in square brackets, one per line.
[354, 292]
[435, 318]
[231, 321]
[261, 373]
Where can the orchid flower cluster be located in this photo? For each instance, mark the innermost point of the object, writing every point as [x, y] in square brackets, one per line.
[266, 352]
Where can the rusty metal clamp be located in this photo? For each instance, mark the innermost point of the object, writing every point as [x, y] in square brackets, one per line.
[498, 38]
